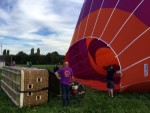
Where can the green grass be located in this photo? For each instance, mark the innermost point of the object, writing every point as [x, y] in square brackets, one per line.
[94, 102]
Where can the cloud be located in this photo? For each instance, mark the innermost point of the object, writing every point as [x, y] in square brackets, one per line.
[45, 31]
[46, 24]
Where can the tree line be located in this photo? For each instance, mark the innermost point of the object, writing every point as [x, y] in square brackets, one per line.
[34, 57]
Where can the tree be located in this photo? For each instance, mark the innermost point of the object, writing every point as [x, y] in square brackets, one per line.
[21, 58]
[32, 51]
[8, 51]
[54, 57]
[35, 58]
[4, 52]
[43, 59]
[48, 58]
[38, 51]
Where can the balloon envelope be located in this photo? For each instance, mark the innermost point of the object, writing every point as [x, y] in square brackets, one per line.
[112, 32]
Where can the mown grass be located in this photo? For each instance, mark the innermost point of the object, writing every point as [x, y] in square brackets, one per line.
[94, 102]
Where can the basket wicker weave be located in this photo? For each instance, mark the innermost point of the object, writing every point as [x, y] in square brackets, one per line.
[25, 86]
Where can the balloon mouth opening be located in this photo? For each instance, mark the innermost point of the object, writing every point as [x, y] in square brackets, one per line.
[90, 58]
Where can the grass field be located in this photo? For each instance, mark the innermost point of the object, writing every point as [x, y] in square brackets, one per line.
[94, 102]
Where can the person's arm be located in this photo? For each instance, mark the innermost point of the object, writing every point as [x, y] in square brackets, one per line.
[72, 78]
[57, 75]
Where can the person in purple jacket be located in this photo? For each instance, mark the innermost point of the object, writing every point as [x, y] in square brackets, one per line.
[65, 75]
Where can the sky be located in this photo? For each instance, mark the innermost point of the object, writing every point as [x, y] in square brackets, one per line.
[45, 24]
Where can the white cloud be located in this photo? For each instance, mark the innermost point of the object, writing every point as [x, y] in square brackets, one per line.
[28, 16]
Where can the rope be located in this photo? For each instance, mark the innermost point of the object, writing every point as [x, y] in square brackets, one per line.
[126, 22]
[80, 20]
[109, 19]
[88, 18]
[97, 17]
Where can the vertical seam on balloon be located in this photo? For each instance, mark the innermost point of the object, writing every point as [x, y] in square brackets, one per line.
[97, 17]
[88, 18]
[133, 41]
[81, 20]
[125, 22]
[109, 19]
[136, 63]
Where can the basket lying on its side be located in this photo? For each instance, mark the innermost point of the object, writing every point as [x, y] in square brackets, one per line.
[25, 86]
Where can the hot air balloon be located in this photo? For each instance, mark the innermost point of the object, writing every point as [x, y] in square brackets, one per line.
[112, 32]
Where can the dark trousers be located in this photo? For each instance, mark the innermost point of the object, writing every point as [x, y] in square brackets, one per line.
[65, 94]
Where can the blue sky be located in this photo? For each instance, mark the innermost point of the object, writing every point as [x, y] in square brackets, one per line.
[45, 24]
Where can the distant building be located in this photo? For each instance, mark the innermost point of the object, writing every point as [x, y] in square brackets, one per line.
[2, 62]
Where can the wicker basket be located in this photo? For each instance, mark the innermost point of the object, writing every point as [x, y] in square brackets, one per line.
[25, 86]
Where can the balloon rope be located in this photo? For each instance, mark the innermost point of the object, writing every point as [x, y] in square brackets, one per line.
[88, 18]
[136, 63]
[97, 17]
[109, 19]
[80, 21]
[126, 22]
[133, 41]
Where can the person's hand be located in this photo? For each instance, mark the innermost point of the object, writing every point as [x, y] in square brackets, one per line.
[118, 72]
[72, 83]
[58, 76]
